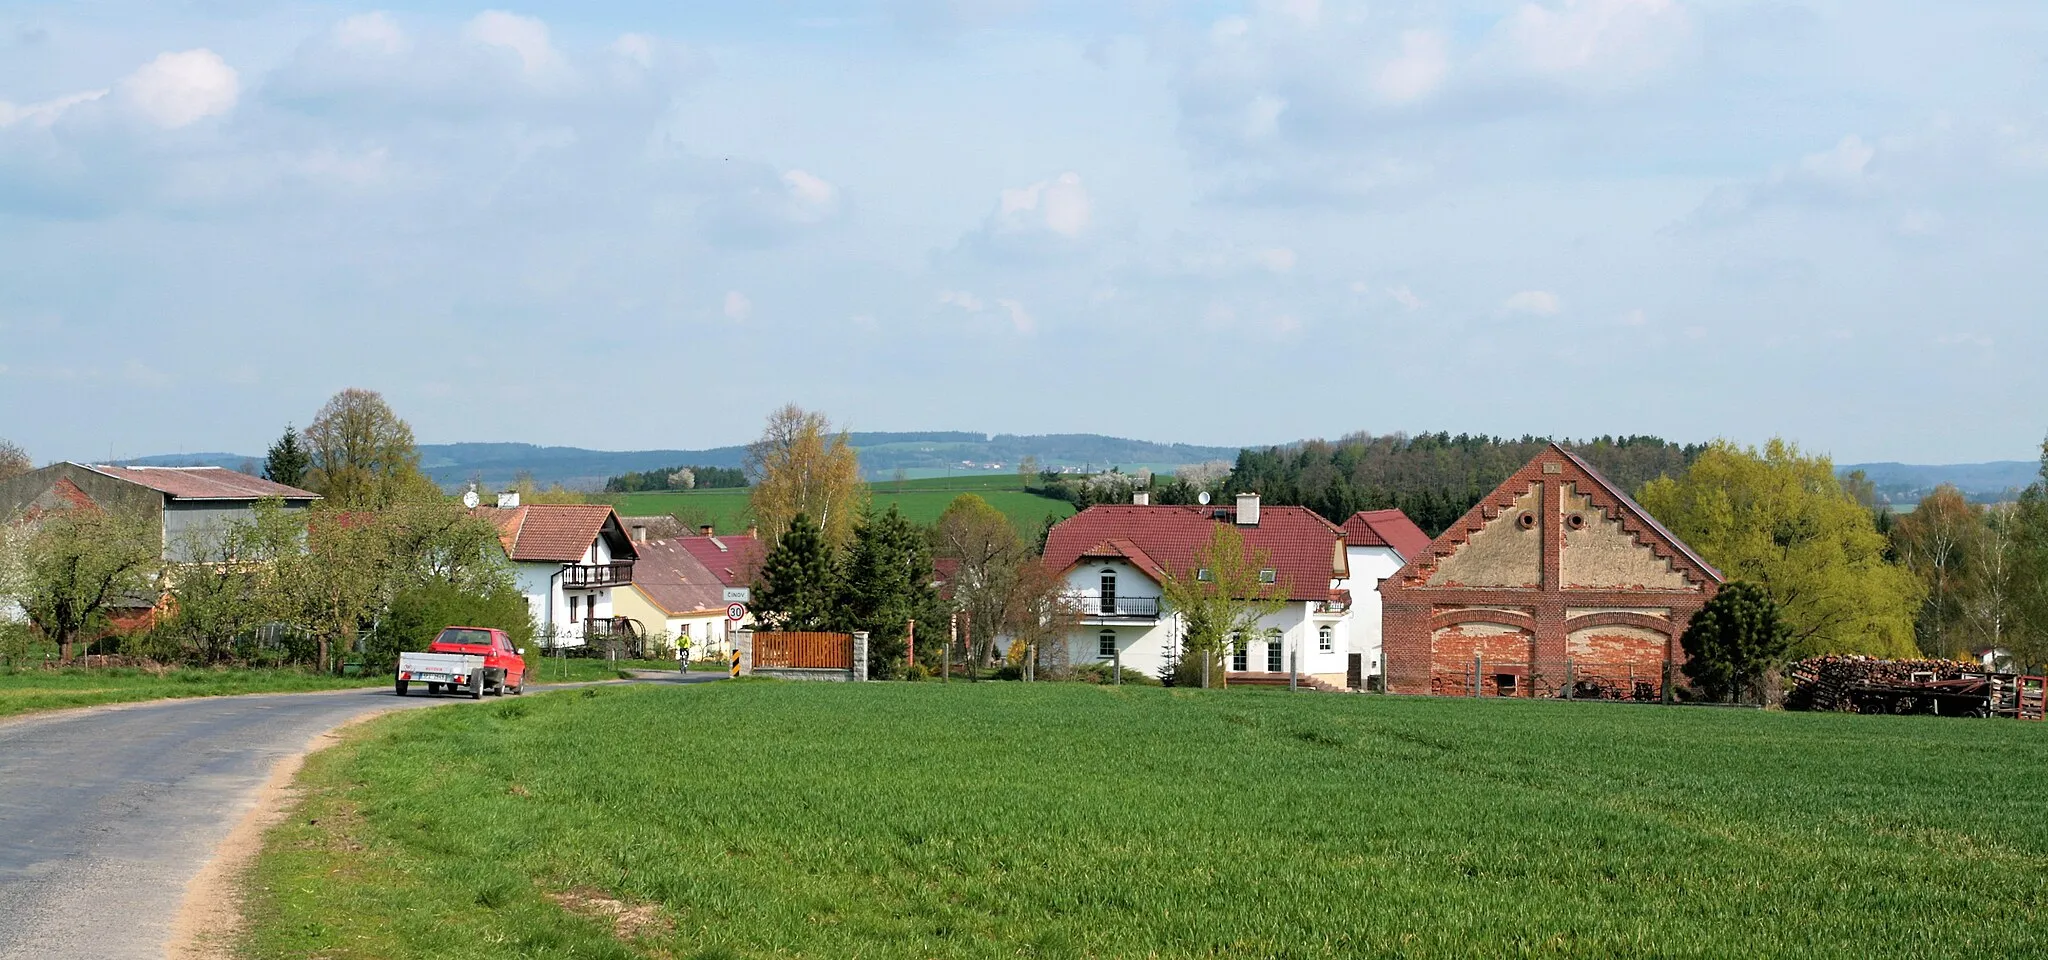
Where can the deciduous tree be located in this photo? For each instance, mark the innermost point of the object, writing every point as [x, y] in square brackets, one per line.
[795, 589]
[1220, 597]
[81, 564]
[989, 553]
[362, 455]
[1778, 518]
[14, 460]
[1938, 542]
[800, 465]
[1734, 641]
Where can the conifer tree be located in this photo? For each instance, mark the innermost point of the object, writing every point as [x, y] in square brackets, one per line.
[885, 582]
[795, 592]
[1734, 640]
[287, 460]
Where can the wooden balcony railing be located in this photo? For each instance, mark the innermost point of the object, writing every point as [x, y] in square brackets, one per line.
[587, 576]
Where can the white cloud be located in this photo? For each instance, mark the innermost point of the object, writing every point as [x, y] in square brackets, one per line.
[1419, 69]
[737, 306]
[45, 113]
[526, 37]
[1596, 43]
[637, 47]
[178, 89]
[1405, 297]
[1840, 173]
[1060, 205]
[370, 33]
[962, 299]
[1019, 318]
[1276, 259]
[1262, 116]
[1541, 303]
[811, 198]
[1301, 13]
[1360, 287]
[1635, 318]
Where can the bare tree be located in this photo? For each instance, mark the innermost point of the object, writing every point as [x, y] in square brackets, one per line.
[801, 466]
[1937, 541]
[990, 553]
[1220, 598]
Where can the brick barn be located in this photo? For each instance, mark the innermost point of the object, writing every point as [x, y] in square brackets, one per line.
[1556, 574]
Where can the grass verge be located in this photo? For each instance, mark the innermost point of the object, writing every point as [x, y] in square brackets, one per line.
[1052, 820]
[37, 689]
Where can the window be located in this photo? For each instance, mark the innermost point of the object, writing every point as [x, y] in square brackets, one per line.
[1204, 575]
[1240, 654]
[1269, 575]
[1276, 653]
[1326, 638]
[1106, 645]
[1107, 602]
[574, 604]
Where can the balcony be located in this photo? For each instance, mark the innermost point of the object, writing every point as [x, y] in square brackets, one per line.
[594, 576]
[611, 628]
[1095, 607]
[1331, 608]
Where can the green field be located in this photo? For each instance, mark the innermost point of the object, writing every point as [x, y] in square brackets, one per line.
[33, 689]
[919, 500]
[1057, 820]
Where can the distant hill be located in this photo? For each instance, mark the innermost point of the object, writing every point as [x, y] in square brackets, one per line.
[881, 454]
[1905, 483]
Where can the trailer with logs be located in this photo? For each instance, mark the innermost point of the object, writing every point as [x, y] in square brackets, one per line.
[1947, 688]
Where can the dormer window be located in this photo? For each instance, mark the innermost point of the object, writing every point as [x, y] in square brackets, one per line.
[1269, 575]
[1204, 575]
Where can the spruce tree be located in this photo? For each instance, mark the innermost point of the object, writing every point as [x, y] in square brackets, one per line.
[795, 592]
[1733, 640]
[287, 461]
[885, 582]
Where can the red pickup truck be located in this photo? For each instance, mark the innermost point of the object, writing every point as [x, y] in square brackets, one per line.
[474, 660]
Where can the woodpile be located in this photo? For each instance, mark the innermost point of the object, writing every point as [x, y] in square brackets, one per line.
[1826, 683]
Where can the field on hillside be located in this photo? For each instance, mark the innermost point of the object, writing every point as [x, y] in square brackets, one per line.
[1056, 820]
[920, 500]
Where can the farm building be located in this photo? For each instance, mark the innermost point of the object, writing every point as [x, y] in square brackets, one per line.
[188, 502]
[1115, 559]
[1555, 581]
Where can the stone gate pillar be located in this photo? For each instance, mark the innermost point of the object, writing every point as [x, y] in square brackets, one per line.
[860, 655]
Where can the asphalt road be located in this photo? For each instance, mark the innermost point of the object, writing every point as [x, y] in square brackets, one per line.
[107, 814]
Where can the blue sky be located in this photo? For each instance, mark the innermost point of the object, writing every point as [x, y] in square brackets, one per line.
[632, 225]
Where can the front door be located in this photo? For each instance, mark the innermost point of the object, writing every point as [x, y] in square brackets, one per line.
[1354, 672]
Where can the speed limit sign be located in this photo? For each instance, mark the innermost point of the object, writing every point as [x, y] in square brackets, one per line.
[736, 611]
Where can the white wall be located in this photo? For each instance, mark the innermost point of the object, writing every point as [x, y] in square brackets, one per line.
[1369, 566]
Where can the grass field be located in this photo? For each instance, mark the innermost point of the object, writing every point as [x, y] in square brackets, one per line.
[1053, 820]
[30, 690]
[919, 500]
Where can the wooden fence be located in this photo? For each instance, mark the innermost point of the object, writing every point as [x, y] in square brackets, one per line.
[829, 651]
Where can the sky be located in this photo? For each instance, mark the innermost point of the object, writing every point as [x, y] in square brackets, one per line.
[645, 225]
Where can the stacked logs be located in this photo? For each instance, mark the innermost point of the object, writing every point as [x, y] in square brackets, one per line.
[1824, 683]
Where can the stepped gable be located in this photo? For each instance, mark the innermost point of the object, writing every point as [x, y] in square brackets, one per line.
[1305, 550]
[1556, 579]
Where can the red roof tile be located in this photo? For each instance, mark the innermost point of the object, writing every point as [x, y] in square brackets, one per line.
[1386, 528]
[204, 483]
[555, 532]
[734, 560]
[674, 580]
[1301, 546]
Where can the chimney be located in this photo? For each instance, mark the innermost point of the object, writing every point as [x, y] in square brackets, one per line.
[508, 500]
[1142, 498]
[639, 533]
[1247, 509]
[704, 531]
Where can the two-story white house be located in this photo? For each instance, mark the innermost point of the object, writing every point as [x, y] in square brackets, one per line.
[1116, 558]
[568, 559]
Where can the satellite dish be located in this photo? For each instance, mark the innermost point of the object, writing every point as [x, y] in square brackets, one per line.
[1203, 498]
[469, 499]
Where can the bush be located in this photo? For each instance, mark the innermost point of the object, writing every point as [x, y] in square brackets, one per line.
[418, 615]
[1104, 673]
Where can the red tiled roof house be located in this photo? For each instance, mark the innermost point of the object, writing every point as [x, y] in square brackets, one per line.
[1115, 559]
[567, 558]
[1556, 580]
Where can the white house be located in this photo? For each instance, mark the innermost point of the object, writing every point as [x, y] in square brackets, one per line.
[568, 559]
[1115, 559]
[673, 594]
